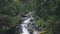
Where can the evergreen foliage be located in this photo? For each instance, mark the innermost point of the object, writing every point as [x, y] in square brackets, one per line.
[47, 13]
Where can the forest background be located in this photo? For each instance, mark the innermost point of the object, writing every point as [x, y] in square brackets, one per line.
[47, 13]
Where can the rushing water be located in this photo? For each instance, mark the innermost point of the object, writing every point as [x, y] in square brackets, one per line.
[27, 24]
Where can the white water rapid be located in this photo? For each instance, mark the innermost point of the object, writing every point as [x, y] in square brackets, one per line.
[26, 25]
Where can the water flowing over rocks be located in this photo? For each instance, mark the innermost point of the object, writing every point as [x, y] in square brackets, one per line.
[27, 25]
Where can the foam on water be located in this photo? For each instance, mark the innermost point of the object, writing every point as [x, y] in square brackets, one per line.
[24, 25]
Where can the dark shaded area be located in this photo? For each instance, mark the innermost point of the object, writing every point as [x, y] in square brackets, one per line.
[10, 31]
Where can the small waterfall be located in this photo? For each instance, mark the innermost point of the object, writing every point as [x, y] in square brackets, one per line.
[27, 26]
[26, 20]
[24, 27]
